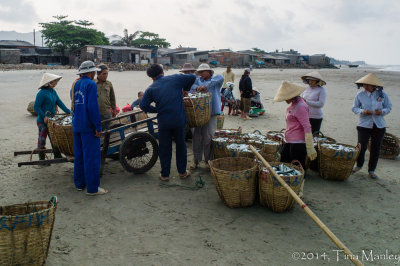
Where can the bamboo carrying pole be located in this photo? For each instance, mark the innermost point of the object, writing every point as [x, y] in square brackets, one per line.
[324, 228]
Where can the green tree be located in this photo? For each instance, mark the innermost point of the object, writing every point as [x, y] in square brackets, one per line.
[127, 39]
[257, 50]
[148, 40]
[65, 34]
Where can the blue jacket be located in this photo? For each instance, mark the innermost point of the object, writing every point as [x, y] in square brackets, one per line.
[45, 102]
[166, 92]
[86, 116]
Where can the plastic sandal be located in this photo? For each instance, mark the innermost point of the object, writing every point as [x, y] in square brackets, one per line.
[166, 179]
[373, 175]
[100, 191]
[185, 175]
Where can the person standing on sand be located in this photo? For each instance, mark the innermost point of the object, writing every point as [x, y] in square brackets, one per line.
[105, 92]
[166, 92]
[45, 106]
[314, 96]
[371, 104]
[86, 126]
[203, 135]
[246, 89]
[299, 142]
[228, 77]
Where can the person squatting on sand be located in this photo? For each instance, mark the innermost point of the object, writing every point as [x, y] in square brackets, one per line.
[136, 103]
[246, 88]
[166, 92]
[106, 95]
[45, 106]
[314, 96]
[86, 126]
[228, 98]
[203, 135]
[371, 104]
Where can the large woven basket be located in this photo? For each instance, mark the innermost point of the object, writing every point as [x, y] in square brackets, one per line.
[198, 110]
[25, 232]
[314, 165]
[30, 108]
[272, 194]
[336, 165]
[61, 136]
[390, 147]
[235, 180]
[277, 135]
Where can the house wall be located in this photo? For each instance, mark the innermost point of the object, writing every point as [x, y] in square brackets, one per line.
[10, 56]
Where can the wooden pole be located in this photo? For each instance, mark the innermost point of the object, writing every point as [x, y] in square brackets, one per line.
[324, 228]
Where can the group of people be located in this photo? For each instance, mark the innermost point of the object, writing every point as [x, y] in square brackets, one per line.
[93, 100]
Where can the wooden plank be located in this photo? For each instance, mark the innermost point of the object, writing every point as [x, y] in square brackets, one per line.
[16, 153]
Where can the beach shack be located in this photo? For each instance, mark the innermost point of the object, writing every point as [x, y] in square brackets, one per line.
[113, 54]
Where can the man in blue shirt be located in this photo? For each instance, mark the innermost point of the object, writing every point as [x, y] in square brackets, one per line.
[203, 135]
[166, 93]
[87, 131]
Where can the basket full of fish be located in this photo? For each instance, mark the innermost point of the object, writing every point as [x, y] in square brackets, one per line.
[269, 148]
[319, 137]
[272, 194]
[61, 135]
[336, 161]
[198, 108]
[228, 132]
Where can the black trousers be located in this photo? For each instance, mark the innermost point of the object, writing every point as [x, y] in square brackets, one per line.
[294, 151]
[376, 135]
[315, 124]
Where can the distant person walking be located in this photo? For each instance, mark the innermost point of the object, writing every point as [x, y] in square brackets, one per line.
[314, 96]
[371, 104]
[246, 89]
[229, 76]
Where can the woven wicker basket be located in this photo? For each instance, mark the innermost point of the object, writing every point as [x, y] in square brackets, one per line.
[314, 165]
[272, 194]
[277, 135]
[228, 132]
[235, 180]
[61, 136]
[220, 121]
[390, 147]
[198, 110]
[25, 232]
[30, 108]
[336, 165]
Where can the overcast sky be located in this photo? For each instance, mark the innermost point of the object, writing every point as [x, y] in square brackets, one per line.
[344, 29]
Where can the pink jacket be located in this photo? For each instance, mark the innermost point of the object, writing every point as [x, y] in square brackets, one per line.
[297, 122]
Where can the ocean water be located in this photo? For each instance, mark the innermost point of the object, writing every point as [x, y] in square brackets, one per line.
[390, 68]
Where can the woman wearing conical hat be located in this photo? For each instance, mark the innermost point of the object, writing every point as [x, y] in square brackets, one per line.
[314, 96]
[371, 104]
[45, 103]
[299, 142]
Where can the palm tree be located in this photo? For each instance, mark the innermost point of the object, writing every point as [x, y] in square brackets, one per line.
[128, 38]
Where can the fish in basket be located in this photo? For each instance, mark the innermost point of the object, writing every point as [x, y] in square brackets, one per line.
[197, 108]
[319, 137]
[336, 161]
[61, 135]
[25, 232]
[228, 132]
[277, 135]
[269, 148]
[390, 147]
[235, 180]
[272, 194]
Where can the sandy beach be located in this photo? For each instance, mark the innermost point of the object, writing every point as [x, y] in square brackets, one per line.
[141, 223]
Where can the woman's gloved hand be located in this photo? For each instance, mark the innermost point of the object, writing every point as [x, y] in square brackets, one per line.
[311, 152]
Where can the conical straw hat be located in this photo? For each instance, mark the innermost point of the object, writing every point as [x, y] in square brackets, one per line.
[314, 75]
[288, 91]
[47, 78]
[370, 79]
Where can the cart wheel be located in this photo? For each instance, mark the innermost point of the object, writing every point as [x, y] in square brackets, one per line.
[138, 152]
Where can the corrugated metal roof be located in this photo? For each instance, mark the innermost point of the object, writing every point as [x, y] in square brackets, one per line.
[14, 43]
[194, 52]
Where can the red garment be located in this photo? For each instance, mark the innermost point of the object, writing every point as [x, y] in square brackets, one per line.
[126, 108]
[297, 121]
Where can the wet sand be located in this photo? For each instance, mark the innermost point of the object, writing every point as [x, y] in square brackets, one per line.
[141, 223]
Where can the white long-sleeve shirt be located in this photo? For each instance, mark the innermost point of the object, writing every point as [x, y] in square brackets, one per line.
[315, 99]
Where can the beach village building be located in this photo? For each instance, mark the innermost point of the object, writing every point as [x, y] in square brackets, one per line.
[111, 54]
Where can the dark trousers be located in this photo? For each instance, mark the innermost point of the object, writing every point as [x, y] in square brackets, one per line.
[294, 151]
[165, 149]
[315, 124]
[376, 135]
[43, 133]
[87, 161]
